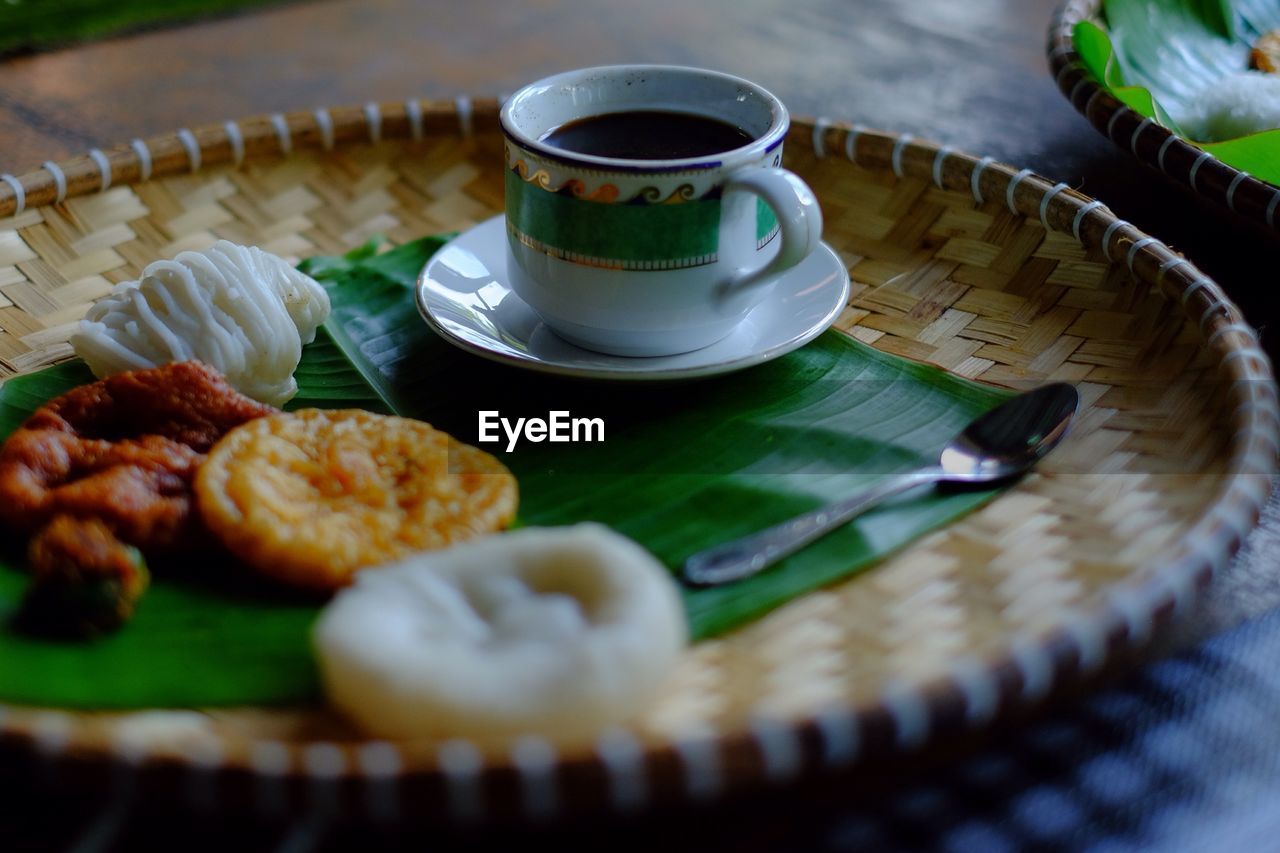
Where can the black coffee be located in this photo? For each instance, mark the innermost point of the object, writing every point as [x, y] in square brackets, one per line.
[647, 135]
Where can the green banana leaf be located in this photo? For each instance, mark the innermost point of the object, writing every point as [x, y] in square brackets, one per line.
[682, 467]
[1156, 56]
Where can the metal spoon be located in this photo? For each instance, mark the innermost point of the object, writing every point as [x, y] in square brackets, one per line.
[1003, 443]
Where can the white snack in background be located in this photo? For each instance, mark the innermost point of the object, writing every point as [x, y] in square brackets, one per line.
[1236, 105]
[239, 309]
[554, 631]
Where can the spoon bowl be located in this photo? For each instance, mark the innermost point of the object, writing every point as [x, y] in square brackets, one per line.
[1009, 439]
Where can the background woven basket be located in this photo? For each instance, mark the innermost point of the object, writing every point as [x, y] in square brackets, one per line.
[988, 271]
[1204, 174]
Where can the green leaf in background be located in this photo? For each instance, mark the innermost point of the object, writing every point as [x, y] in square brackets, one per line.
[1257, 154]
[28, 24]
[1158, 56]
[682, 467]
[1220, 16]
[1094, 46]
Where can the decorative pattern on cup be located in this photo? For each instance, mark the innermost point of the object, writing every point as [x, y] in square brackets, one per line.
[621, 220]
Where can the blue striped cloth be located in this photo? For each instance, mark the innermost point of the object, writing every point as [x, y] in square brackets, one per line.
[1182, 755]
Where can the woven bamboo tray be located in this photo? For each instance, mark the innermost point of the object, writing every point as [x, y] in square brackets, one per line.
[1238, 191]
[988, 271]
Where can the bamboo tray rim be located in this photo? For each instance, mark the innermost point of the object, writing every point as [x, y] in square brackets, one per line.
[974, 694]
[1241, 193]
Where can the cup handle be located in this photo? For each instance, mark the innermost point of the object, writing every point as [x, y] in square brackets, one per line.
[799, 219]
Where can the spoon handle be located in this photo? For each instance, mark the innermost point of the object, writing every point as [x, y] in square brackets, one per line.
[743, 557]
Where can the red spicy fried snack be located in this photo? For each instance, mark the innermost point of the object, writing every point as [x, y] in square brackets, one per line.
[122, 452]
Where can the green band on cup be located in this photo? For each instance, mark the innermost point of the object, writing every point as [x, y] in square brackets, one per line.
[639, 236]
[766, 223]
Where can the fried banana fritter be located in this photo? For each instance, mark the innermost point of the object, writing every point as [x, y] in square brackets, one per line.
[313, 496]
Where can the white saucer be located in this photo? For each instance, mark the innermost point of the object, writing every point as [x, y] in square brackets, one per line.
[462, 294]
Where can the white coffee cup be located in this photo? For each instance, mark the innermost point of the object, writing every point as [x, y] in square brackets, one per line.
[650, 257]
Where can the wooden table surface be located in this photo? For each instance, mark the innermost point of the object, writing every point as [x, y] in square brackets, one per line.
[969, 74]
